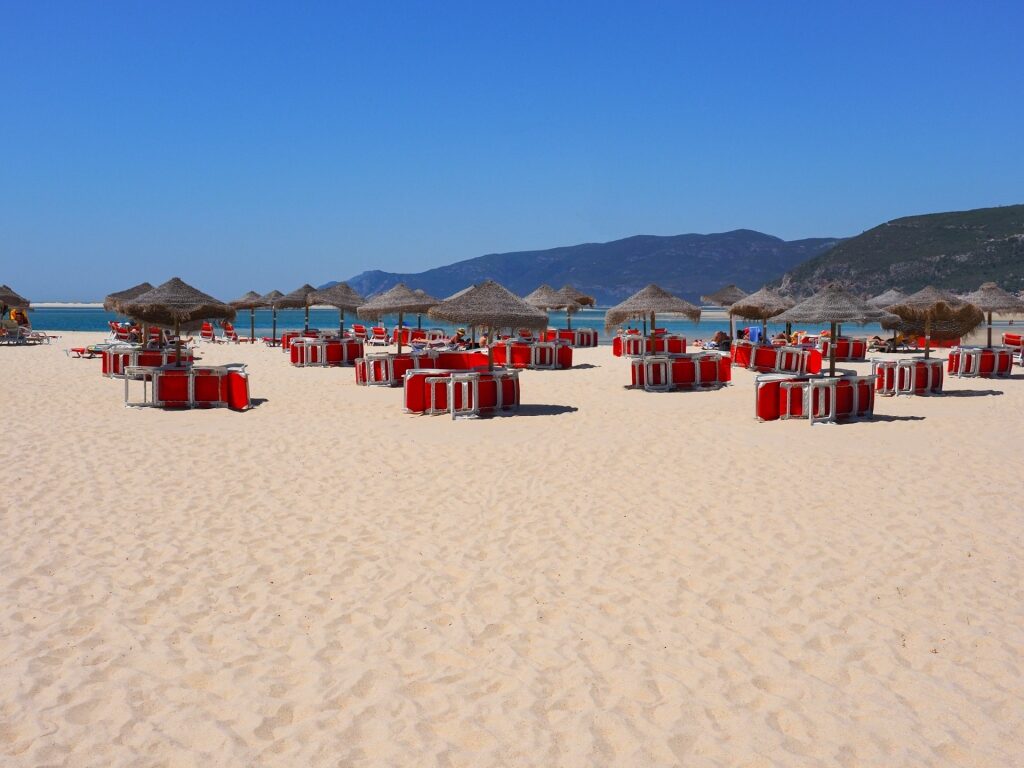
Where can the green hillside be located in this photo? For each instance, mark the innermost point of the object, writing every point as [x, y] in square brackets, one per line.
[958, 251]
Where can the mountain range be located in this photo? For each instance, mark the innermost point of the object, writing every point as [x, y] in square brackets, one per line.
[687, 265]
[958, 251]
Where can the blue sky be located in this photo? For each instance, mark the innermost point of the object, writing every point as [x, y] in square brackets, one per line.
[262, 145]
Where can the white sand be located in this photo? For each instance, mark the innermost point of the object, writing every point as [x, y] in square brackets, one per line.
[649, 580]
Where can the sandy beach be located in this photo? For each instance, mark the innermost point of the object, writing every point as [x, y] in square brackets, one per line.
[610, 578]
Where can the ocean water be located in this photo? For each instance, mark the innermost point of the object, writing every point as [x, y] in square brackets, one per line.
[96, 319]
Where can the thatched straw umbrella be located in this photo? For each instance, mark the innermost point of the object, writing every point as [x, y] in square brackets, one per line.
[761, 305]
[342, 297]
[991, 298]
[175, 304]
[426, 297]
[491, 305]
[297, 299]
[580, 298]
[887, 299]
[930, 307]
[725, 298]
[11, 298]
[270, 300]
[834, 305]
[546, 298]
[251, 301]
[400, 300]
[114, 301]
[650, 301]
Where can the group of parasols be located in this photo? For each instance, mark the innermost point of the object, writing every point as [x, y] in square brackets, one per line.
[930, 312]
[179, 306]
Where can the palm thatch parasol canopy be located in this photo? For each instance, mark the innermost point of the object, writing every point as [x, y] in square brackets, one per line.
[887, 299]
[397, 300]
[492, 305]
[932, 310]
[578, 296]
[652, 300]
[725, 297]
[297, 299]
[547, 298]
[991, 298]
[341, 296]
[834, 304]
[270, 299]
[761, 305]
[11, 298]
[251, 300]
[114, 301]
[176, 304]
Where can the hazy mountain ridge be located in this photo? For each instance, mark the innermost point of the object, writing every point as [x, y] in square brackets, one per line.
[957, 250]
[689, 265]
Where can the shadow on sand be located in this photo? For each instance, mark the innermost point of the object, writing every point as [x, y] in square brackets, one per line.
[545, 410]
[971, 393]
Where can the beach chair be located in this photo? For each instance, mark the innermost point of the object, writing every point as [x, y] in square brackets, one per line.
[378, 336]
[206, 333]
[230, 334]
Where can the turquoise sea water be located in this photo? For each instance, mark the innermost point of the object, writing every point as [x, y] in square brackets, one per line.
[95, 319]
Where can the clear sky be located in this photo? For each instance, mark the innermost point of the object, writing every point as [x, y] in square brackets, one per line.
[262, 145]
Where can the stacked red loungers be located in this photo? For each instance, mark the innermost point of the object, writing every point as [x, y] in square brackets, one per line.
[195, 387]
[848, 350]
[325, 352]
[699, 370]
[463, 394]
[541, 355]
[117, 359]
[634, 345]
[784, 359]
[909, 376]
[574, 337]
[816, 398]
[388, 369]
[984, 362]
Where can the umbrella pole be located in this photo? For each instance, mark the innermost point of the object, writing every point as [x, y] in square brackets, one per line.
[764, 330]
[568, 319]
[307, 318]
[927, 337]
[177, 345]
[490, 350]
[645, 325]
[399, 334]
[419, 322]
[732, 327]
[273, 331]
[252, 325]
[990, 330]
[832, 351]
[789, 332]
[341, 323]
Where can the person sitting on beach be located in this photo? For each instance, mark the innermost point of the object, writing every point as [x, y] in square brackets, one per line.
[457, 339]
[721, 340]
